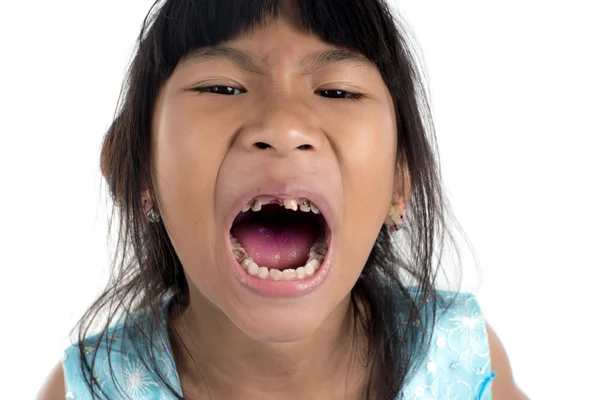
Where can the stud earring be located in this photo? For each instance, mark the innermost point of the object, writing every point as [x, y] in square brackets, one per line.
[396, 213]
[148, 207]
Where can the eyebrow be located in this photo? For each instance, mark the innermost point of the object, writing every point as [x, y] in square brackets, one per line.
[252, 63]
[242, 58]
[327, 58]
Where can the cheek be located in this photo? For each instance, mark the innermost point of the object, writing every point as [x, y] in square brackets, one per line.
[368, 159]
[185, 165]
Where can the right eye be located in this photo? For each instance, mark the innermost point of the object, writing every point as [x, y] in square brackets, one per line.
[221, 89]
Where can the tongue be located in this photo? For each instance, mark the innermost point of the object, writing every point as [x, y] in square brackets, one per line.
[275, 244]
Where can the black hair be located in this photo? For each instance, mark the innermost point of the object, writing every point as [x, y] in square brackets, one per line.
[398, 281]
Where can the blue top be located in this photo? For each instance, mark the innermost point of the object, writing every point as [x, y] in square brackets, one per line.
[457, 365]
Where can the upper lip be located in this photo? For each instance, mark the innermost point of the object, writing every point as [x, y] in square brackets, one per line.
[284, 190]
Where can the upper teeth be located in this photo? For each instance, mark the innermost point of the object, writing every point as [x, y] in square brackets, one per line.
[256, 205]
[290, 204]
[305, 206]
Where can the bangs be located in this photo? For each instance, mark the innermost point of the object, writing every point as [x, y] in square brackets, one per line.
[179, 27]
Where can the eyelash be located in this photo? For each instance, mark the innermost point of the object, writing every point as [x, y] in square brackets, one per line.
[210, 89]
[348, 95]
[231, 91]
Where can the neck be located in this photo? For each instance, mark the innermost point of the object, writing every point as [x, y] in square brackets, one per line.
[216, 357]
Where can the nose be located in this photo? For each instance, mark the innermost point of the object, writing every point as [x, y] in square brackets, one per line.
[281, 127]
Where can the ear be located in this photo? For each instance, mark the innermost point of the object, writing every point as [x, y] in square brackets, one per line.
[107, 149]
[402, 184]
[104, 155]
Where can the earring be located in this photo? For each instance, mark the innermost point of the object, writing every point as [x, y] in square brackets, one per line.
[396, 213]
[148, 207]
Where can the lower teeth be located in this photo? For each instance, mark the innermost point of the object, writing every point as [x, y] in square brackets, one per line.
[315, 259]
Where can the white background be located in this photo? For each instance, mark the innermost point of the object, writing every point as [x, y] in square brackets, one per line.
[515, 88]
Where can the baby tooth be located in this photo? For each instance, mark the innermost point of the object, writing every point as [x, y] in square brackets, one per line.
[305, 206]
[289, 274]
[310, 268]
[246, 207]
[321, 250]
[318, 264]
[239, 256]
[239, 250]
[314, 209]
[291, 204]
[263, 272]
[276, 274]
[253, 269]
[246, 263]
[256, 205]
[301, 272]
[313, 255]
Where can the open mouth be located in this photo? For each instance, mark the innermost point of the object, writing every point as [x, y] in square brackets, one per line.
[279, 239]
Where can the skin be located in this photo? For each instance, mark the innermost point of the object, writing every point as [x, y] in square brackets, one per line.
[204, 157]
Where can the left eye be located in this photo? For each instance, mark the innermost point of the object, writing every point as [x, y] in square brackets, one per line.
[220, 89]
[339, 94]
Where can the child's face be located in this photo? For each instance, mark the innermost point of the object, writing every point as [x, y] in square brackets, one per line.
[280, 136]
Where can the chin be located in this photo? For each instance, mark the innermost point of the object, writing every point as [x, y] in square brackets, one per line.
[278, 328]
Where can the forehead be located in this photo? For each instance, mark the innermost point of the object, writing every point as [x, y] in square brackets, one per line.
[279, 39]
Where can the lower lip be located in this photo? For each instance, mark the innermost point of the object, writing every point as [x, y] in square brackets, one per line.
[278, 289]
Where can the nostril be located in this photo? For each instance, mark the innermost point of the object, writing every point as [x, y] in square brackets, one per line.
[262, 145]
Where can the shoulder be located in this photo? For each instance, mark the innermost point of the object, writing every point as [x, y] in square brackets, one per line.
[127, 359]
[54, 386]
[504, 385]
[66, 378]
[87, 363]
[465, 329]
[457, 363]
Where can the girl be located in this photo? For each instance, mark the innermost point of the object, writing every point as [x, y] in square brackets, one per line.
[281, 214]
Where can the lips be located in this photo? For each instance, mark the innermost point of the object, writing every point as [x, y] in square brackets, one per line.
[276, 284]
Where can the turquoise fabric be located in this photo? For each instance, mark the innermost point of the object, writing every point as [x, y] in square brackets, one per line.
[457, 365]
